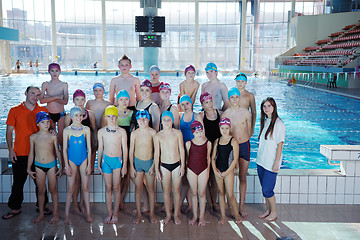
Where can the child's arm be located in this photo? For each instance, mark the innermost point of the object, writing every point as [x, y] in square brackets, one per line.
[253, 113]
[67, 167]
[224, 94]
[92, 122]
[31, 158]
[88, 146]
[58, 155]
[193, 95]
[131, 155]
[100, 150]
[187, 150]
[112, 92]
[213, 164]
[249, 124]
[155, 115]
[208, 154]
[175, 113]
[182, 153]
[234, 163]
[182, 90]
[137, 90]
[65, 97]
[157, 157]
[103, 121]
[45, 98]
[125, 152]
[67, 120]
[277, 163]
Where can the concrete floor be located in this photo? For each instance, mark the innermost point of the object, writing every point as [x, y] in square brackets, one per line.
[295, 221]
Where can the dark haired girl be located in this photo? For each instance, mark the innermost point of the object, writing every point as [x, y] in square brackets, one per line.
[271, 141]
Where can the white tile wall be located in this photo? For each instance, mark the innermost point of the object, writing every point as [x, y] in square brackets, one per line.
[349, 185]
[357, 168]
[294, 184]
[303, 198]
[285, 184]
[349, 199]
[330, 199]
[313, 183]
[321, 199]
[331, 184]
[322, 184]
[340, 185]
[312, 198]
[340, 199]
[349, 168]
[304, 184]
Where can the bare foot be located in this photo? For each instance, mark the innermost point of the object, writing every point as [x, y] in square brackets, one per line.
[107, 220]
[54, 220]
[76, 210]
[67, 221]
[264, 215]
[221, 221]
[271, 217]
[243, 213]
[188, 209]
[193, 220]
[89, 219]
[38, 219]
[122, 206]
[153, 218]
[143, 210]
[166, 219]
[137, 219]
[177, 220]
[114, 219]
[201, 222]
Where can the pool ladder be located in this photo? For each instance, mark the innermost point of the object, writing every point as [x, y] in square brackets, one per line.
[310, 81]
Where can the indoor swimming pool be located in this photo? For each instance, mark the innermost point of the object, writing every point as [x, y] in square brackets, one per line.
[311, 117]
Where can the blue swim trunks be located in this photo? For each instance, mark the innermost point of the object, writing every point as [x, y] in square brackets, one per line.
[111, 163]
[45, 166]
[244, 150]
[142, 166]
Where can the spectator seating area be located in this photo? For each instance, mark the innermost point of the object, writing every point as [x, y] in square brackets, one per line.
[336, 51]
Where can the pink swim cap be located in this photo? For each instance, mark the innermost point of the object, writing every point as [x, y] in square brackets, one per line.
[165, 86]
[189, 68]
[195, 126]
[225, 121]
[54, 65]
[78, 93]
[146, 83]
[205, 96]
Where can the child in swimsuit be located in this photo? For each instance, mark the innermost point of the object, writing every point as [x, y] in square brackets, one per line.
[166, 105]
[189, 86]
[43, 145]
[198, 165]
[112, 155]
[224, 159]
[142, 164]
[169, 150]
[77, 155]
[154, 72]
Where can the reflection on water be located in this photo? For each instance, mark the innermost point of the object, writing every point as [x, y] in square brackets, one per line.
[311, 117]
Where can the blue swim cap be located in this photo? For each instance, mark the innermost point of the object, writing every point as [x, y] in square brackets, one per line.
[154, 68]
[98, 85]
[185, 98]
[142, 114]
[211, 66]
[233, 91]
[169, 114]
[122, 93]
[241, 76]
[42, 116]
[74, 110]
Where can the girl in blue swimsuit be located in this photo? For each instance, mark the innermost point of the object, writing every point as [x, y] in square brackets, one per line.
[77, 155]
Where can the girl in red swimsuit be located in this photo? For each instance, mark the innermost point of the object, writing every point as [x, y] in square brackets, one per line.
[198, 164]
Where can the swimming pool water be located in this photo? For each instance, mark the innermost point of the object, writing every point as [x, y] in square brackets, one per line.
[311, 117]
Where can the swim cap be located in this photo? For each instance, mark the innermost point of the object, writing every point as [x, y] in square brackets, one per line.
[225, 121]
[98, 85]
[154, 68]
[165, 86]
[205, 96]
[189, 68]
[185, 98]
[233, 91]
[74, 110]
[195, 126]
[169, 114]
[42, 116]
[142, 114]
[146, 83]
[54, 65]
[78, 93]
[122, 93]
[211, 66]
[111, 110]
[241, 76]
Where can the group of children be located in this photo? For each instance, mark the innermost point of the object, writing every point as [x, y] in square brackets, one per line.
[139, 133]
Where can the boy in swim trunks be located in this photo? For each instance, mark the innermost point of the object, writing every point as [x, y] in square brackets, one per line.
[247, 99]
[141, 147]
[112, 155]
[43, 146]
[97, 107]
[169, 150]
[241, 130]
[217, 89]
[55, 94]
[198, 152]
[77, 155]
[189, 86]
[125, 81]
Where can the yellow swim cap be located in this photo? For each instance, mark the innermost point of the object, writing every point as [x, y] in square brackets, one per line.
[111, 110]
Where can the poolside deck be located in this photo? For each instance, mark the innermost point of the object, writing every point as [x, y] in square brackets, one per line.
[295, 222]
